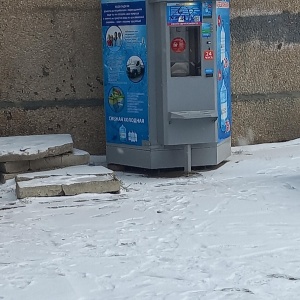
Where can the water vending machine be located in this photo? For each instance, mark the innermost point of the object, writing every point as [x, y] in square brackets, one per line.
[166, 82]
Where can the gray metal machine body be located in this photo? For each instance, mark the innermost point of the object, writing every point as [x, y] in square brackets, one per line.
[183, 110]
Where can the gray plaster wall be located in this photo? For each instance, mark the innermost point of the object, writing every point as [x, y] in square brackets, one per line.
[51, 70]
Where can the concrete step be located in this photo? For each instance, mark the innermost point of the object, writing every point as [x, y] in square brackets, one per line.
[5, 177]
[67, 182]
[68, 171]
[24, 148]
[76, 157]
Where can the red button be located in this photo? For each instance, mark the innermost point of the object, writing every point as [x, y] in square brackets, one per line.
[178, 45]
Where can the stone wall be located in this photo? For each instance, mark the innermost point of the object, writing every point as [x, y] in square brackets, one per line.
[51, 70]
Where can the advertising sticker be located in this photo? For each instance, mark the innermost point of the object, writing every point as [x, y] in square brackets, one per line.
[223, 65]
[125, 71]
[184, 14]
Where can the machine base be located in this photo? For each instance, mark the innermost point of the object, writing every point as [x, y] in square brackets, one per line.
[156, 157]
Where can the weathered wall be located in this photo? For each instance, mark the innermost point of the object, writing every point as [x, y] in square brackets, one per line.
[265, 70]
[51, 75]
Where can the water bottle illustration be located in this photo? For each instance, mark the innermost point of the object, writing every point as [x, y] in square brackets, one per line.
[223, 100]
[223, 43]
[132, 137]
[206, 8]
[122, 133]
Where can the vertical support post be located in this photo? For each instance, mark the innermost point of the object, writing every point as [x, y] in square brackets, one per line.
[187, 159]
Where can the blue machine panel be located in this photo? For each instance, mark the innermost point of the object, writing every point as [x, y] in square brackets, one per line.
[125, 71]
[223, 69]
[184, 14]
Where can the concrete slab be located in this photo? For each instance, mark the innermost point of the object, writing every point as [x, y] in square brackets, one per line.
[67, 186]
[4, 177]
[68, 171]
[14, 166]
[77, 157]
[97, 185]
[38, 188]
[16, 148]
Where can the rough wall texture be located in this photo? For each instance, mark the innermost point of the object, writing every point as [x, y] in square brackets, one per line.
[80, 122]
[50, 51]
[265, 70]
[51, 70]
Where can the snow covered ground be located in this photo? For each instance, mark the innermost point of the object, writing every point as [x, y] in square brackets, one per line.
[227, 233]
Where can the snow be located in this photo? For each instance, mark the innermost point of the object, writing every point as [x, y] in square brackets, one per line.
[225, 233]
[25, 147]
[68, 171]
[64, 180]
